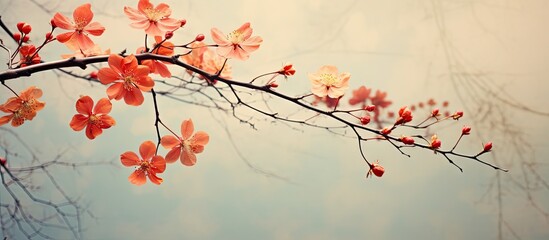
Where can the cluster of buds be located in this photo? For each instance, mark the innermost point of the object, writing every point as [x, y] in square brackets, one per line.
[23, 34]
[404, 116]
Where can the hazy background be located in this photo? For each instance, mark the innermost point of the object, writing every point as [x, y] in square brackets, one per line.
[414, 50]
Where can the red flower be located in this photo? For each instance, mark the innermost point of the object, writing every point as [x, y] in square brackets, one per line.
[148, 166]
[94, 121]
[186, 146]
[360, 96]
[435, 142]
[82, 26]
[404, 116]
[128, 77]
[23, 107]
[287, 70]
[28, 56]
[379, 100]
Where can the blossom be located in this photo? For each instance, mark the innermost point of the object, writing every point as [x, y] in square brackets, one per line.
[328, 82]
[360, 95]
[22, 107]
[82, 26]
[407, 140]
[376, 169]
[379, 99]
[186, 146]
[237, 44]
[28, 55]
[129, 79]
[94, 121]
[155, 21]
[287, 70]
[166, 49]
[435, 142]
[404, 116]
[148, 166]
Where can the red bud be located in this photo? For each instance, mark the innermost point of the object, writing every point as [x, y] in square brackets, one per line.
[20, 26]
[26, 38]
[49, 36]
[93, 75]
[466, 130]
[168, 35]
[365, 120]
[17, 37]
[370, 108]
[407, 140]
[183, 22]
[488, 146]
[52, 22]
[26, 29]
[199, 37]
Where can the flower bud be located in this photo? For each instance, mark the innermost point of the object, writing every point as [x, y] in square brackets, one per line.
[434, 113]
[3, 161]
[26, 29]
[93, 75]
[52, 22]
[273, 85]
[435, 142]
[168, 35]
[376, 169]
[466, 130]
[17, 37]
[20, 26]
[49, 36]
[199, 37]
[488, 146]
[26, 38]
[365, 120]
[457, 115]
[386, 131]
[182, 22]
[407, 140]
[370, 108]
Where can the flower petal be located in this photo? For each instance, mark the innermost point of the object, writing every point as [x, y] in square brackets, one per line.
[154, 179]
[134, 97]
[62, 21]
[107, 75]
[95, 29]
[187, 157]
[83, 13]
[84, 105]
[78, 122]
[219, 38]
[173, 154]
[104, 106]
[115, 62]
[187, 129]
[169, 141]
[106, 121]
[200, 138]
[116, 91]
[158, 163]
[147, 150]
[92, 131]
[129, 159]
[138, 177]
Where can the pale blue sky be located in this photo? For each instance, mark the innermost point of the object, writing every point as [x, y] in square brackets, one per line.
[394, 46]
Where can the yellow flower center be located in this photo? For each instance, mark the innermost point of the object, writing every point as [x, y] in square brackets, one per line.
[144, 165]
[153, 15]
[94, 120]
[235, 37]
[328, 79]
[79, 23]
[128, 83]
